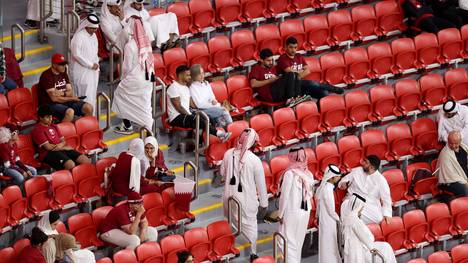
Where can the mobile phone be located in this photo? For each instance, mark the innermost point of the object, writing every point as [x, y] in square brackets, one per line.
[82, 97]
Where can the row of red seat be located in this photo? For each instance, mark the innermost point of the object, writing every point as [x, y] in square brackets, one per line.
[459, 254]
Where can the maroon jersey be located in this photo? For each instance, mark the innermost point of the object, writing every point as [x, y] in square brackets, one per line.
[260, 72]
[296, 63]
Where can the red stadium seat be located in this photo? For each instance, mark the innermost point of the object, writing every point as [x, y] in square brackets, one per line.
[87, 180]
[295, 6]
[173, 58]
[184, 18]
[104, 163]
[315, 69]
[268, 36]
[156, 210]
[244, 45]
[199, 245]
[464, 35]
[278, 165]
[222, 239]
[99, 214]
[198, 53]
[64, 189]
[351, 151]
[203, 14]
[417, 260]
[417, 229]
[220, 90]
[17, 203]
[341, 26]
[376, 232]
[398, 186]
[68, 131]
[264, 259]
[149, 252]
[240, 92]
[227, 11]
[173, 211]
[381, 58]
[254, 9]
[408, 95]
[293, 28]
[20, 245]
[424, 186]
[61, 227]
[333, 68]
[26, 150]
[365, 22]
[4, 213]
[383, 102]
[433, 90]
[358, 108]
[311, 160]
[277, 7]
[221, 53]
[389, 17]
[427, 49]
[327, 153]
[85, 231]
[308, 118]
[450, 43]
[236, 128]
[394, 233]
[37, 194]
[333, 112]
[4, 110]
[460, 253]
[91, 135]
[286, 126]
[439, 257]
[160, 67]
[7, 255]
[440, 221]
[21, 106]
[105, 260]
[215, 152]
[456, 81]
[400, 141]
[459, 210]
[404, 54]
[125, 256]
[317, 31]
[374, 143]
[170, 245]
[425, 137]
[269, 179]
[357, 64]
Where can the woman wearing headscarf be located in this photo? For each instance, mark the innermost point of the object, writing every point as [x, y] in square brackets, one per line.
[68, 251]
[327, 216]
[48, 224]
[358, 239]
[153, 164]
[245, 181]
[297, 190]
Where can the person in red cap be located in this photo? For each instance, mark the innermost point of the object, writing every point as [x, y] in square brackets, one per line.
[126, 224]
[55, 90]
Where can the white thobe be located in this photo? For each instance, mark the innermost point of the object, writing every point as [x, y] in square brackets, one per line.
[145, 17]
[132, 98]
[33, 10]
[84, 52]
[295, 219]
[253, 182]
[458, 122]
[374, 188]
[328, 219]
[111, 27]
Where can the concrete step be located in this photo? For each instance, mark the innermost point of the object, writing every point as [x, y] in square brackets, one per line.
[35, 52]
[32, 71]
[30, 37]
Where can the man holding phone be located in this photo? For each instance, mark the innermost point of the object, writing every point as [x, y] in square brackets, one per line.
[55, 90]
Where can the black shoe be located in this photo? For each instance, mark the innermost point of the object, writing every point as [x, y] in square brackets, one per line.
[30, 24]
[253, 257]
[335, 89]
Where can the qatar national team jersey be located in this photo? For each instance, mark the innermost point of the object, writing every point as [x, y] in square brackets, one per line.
[260, 72]
[296, 63]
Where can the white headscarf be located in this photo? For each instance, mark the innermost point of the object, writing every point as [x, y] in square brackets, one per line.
[450, 106]
[44, 225]
[91, 21]
[350, 213]
[246, 140]
[137, 148]
[331, 171]
[105, 12]
[150, 140]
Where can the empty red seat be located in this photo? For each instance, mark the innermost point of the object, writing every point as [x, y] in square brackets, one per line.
[254, 9]
[198, 53]
[333, 112]
[221, 53]
[17, 203]
[394, 233]
[91, 135]
[227, 11]
[439, 257]
[85, 231]
[170, 246]
[64, 189]
[295, 6]
[68, 131]
[199, 245]
[125, 256]
[333, 68]
[240, 93]
[464, 35]
[317, 31]
[376, 232]
[308, 118]
[374, 143]
[26, 150]
[408, 95]
[427, 49]
[203, 14]
[21, 106]
[433, 90]
[398, 186]
[327, 153]
[400, 141]
[184, 17]
[173, 58]
[277, 7]
[286, 126]
[160, 67]
[4, 110]
[7, 255]
[4, 212]
[156, 210]
[450, 43]
[341, 26]
[19, 246]
[417, 260]
[37, 194]
[459, 210]
[440, 221]
[425, 137]
[417, 229]
[88, 182]
[381, 58]
[389, 17]
[268, 36]
[456, 81]
[244, 45]
[404, 54]
[358, 108]
[351, 151]
[365, 21]
[383, 101]
[264, 259]
[357, 64]
[222, 239]
[293, 28]
[315, 69]
[460, 253]
[278, 165]
[149, 252]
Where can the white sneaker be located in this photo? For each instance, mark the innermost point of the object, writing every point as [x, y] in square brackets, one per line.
[123, 130]
[225, 137]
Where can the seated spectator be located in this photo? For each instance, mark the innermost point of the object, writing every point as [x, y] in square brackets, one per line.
[112, 22]
[205, 100]
[6, 83]
[13, 167]
[126, 225]
[453, 166]
[184, 257]
[69, 251]
[53, 149]
[179, 103]
[153, 163]
[55, 90]
[128, 174]
[421, 15]
[453, 117]
[447, 9]
[48, 224]
[33, 252]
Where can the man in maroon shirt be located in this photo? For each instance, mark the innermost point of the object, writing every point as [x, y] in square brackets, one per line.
[126, 224]
[293, 62]
[54, 89]
[52, 147]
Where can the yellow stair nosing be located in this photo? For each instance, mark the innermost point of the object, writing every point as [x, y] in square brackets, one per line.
[35, 51]
[18, 35]
[35, 71]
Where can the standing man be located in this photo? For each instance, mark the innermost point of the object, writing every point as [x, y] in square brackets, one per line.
[453, 166]
[245, 181]
[297, 190]
[368, 181]
[453, 117]
[84, 66]
[112, 21]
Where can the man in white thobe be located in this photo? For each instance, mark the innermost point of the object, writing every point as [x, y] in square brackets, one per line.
[245, 181]
[112, 21]
[132, 98]
[84, 64]
[359, 245]
[453, 117]
[33, 15]
[297, 190]
[328, 218]
[367, 180]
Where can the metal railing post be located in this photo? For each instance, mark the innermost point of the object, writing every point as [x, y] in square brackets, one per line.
[113, 81]
[144, 132]
[195, 176]
[376, 253]
[62, 15]
[239, 218]
[73, 19]
[43, 18]
[108, 108]
[13, 41]
[277, 235]
[198, 149]
[156, 88]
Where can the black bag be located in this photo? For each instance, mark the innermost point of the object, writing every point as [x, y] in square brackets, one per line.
[419, 175]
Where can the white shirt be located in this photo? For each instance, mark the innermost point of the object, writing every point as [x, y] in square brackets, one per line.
[463, 4]
[458, 122]
[202, 94]
[177, 90]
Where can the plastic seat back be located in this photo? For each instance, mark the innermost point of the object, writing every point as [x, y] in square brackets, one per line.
[333, 111]
[286, 125]
[83, 228]
[26, 150]
[417, 229]
[450, 43]
[376, 231]
[37, 193]
[404, 53]
[103, 164]
[159, 66]
[358, 107]
[184, 17]
[244, 45]
[268, 36]
[125, 256]
[341, 25]
[456, 81]
[333, 68]
[315, 69]
[236, 128]
[149, 252]
[394, 232]
[198, 53]
[4, 212]
[198, 243]
[7, 255]
[240, 92]
[293, 28]
[278, 165]
[399, 139]
[397, 184]
[460, 253]
[389, 16]
[253, 9]
[173, 58]
[427, 48]
[380, 57]
[312, 163]
[317, 31]
[357, 63]
[276, 7]
[417, 260]
[64, 188]
[155, 209]
[99, 214]
[308, 117]
[170, 245]
[17, 203]
[327, 153]
[19, 245]
[439, 219]
[21, 105]
[424, 132]
[374, 143]
[227, 11]
[439, 257]
[351, 151]
[222, 238]
[269, 179]
[105, 260]
[87, 180]
[4, 110]
[365, 20]
[263, 125]
[203, 14]
[91, 135]
[433, 90]
[459, 210]
[68, 131]
[383, 101]
[408, 95]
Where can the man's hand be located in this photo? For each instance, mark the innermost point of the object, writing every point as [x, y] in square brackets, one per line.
[140, 210]
[388, 219]
[67, 148]
[95, 66]
[25, 174]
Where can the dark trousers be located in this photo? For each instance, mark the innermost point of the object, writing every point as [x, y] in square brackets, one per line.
[315, 89]
[188, 121]
[453, 15]
[435, 24]
[287, 86]
[458, 189]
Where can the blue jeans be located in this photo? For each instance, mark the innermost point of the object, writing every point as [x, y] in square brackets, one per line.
[6, 85]
[17, 177]
[458, 189]
[219, 116]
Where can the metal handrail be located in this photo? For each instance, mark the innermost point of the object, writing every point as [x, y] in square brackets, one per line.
[198, 149]
[108, 108]
[73, 19]
[144, 132]
[113, 81]
[277, 235]
[13, 41]
[239, 218]
[375, 253]
[195, 177]
[43, 17]
[163, 88]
